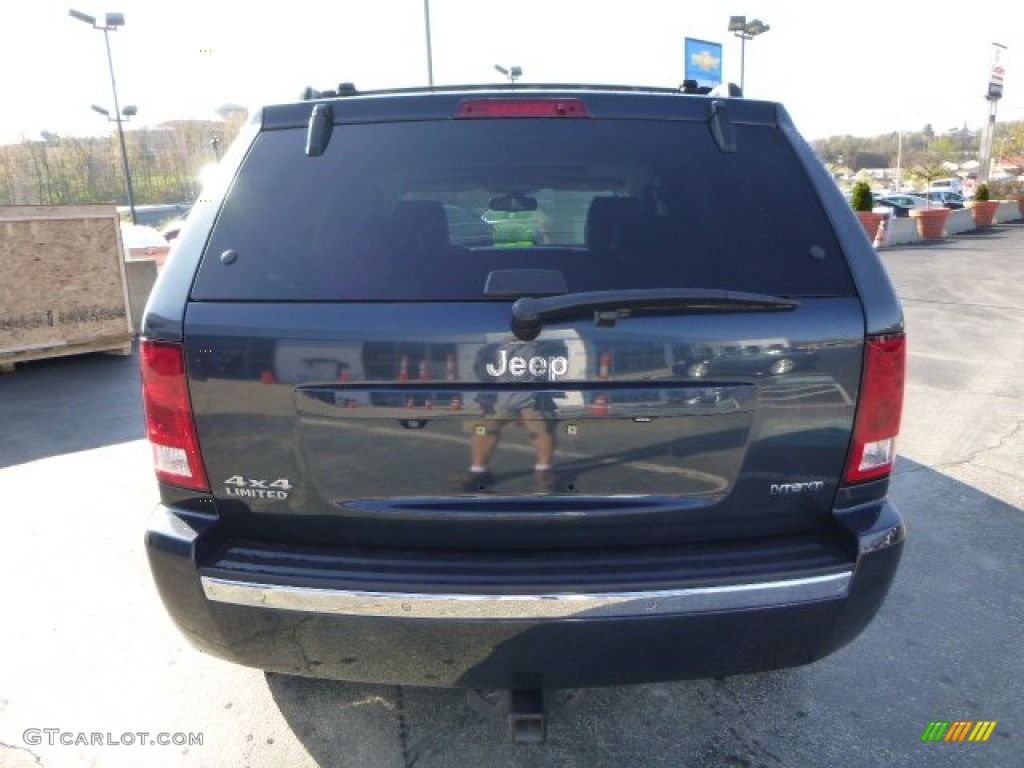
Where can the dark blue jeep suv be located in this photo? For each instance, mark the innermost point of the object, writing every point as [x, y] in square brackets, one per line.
[455, 387]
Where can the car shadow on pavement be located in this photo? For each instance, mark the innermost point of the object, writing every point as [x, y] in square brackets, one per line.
[945, 646]
[68, 404]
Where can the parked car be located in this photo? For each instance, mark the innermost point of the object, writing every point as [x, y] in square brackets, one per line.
[900, 204]
[904, 200]
[387, 455]
[945, 198]
[756, 358]
[898, 209]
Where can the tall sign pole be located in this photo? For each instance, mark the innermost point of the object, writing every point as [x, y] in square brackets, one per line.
[994, 94]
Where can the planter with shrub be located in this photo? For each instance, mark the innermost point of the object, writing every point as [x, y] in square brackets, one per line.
[982, 208]
[862, 202]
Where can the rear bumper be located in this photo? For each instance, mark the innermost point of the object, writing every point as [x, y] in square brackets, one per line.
[530, 639]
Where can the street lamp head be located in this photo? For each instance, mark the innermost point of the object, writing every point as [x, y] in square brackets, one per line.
[100, 110]
[130, 110]
[756, 27]
[82, 17]
[512, 73]
[737, 23]
[111, 21]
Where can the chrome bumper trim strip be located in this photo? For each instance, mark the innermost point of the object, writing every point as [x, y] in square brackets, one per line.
[528, 607]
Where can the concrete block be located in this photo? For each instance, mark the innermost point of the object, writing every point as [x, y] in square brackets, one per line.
[960, 220]
[140, 274]
[1007, 211]
[902, 231]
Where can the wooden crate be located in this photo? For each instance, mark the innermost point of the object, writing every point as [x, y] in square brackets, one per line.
[62, 283]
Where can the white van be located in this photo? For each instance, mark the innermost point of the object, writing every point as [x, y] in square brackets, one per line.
[954, 184]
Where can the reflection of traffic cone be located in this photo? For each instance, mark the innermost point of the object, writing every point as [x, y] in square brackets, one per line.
[449, 368]
[429, 405]
[268, 377]
[602, 402]
[403, 368]
[350, 404]
[457, 403]
[424, 370]
[410, 403]
[882, 233]
[344, 377]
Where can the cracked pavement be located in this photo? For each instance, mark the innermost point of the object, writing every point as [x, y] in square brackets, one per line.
[964, 308]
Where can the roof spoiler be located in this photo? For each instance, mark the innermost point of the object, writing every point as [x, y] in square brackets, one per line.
[321, 126]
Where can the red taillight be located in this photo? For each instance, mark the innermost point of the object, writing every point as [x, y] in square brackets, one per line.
[879, 409]
[169, 424]
[521, 108]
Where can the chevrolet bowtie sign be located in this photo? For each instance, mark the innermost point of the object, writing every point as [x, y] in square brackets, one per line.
[703, 62]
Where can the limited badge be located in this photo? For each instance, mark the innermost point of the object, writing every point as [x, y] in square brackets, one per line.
[257, 488]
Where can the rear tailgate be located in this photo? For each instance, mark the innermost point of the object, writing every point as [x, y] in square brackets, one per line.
[666, 429]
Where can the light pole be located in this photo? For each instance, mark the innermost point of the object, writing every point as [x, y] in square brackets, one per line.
[430, 52]
[898, 135]
[745, 30]
[111, 22]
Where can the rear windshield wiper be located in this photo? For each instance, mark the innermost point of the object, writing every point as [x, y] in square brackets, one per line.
[529, 314]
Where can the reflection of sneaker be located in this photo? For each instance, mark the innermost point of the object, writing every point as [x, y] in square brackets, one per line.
[545, 480]
[474, 482]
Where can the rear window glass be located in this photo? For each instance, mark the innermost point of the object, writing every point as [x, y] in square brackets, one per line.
[427, 210]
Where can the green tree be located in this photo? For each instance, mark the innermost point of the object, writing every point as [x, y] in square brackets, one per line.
[943, 147]
[928, 169]
[1012, 138]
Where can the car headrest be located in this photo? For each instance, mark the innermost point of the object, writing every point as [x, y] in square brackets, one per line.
[421, 224]
[612, 222]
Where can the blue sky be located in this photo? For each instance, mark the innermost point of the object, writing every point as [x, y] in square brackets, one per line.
[860, 68]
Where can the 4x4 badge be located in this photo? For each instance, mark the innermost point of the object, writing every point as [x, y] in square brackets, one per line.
[257, 488]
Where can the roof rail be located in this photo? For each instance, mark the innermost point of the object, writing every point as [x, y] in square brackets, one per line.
[309, 93]
[689, 87]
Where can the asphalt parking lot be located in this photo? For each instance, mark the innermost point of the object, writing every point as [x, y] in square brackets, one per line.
[86, 648]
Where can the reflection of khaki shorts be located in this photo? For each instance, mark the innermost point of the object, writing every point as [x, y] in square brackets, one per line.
[537, 422]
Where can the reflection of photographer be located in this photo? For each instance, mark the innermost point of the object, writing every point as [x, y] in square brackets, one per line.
[523, 407]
